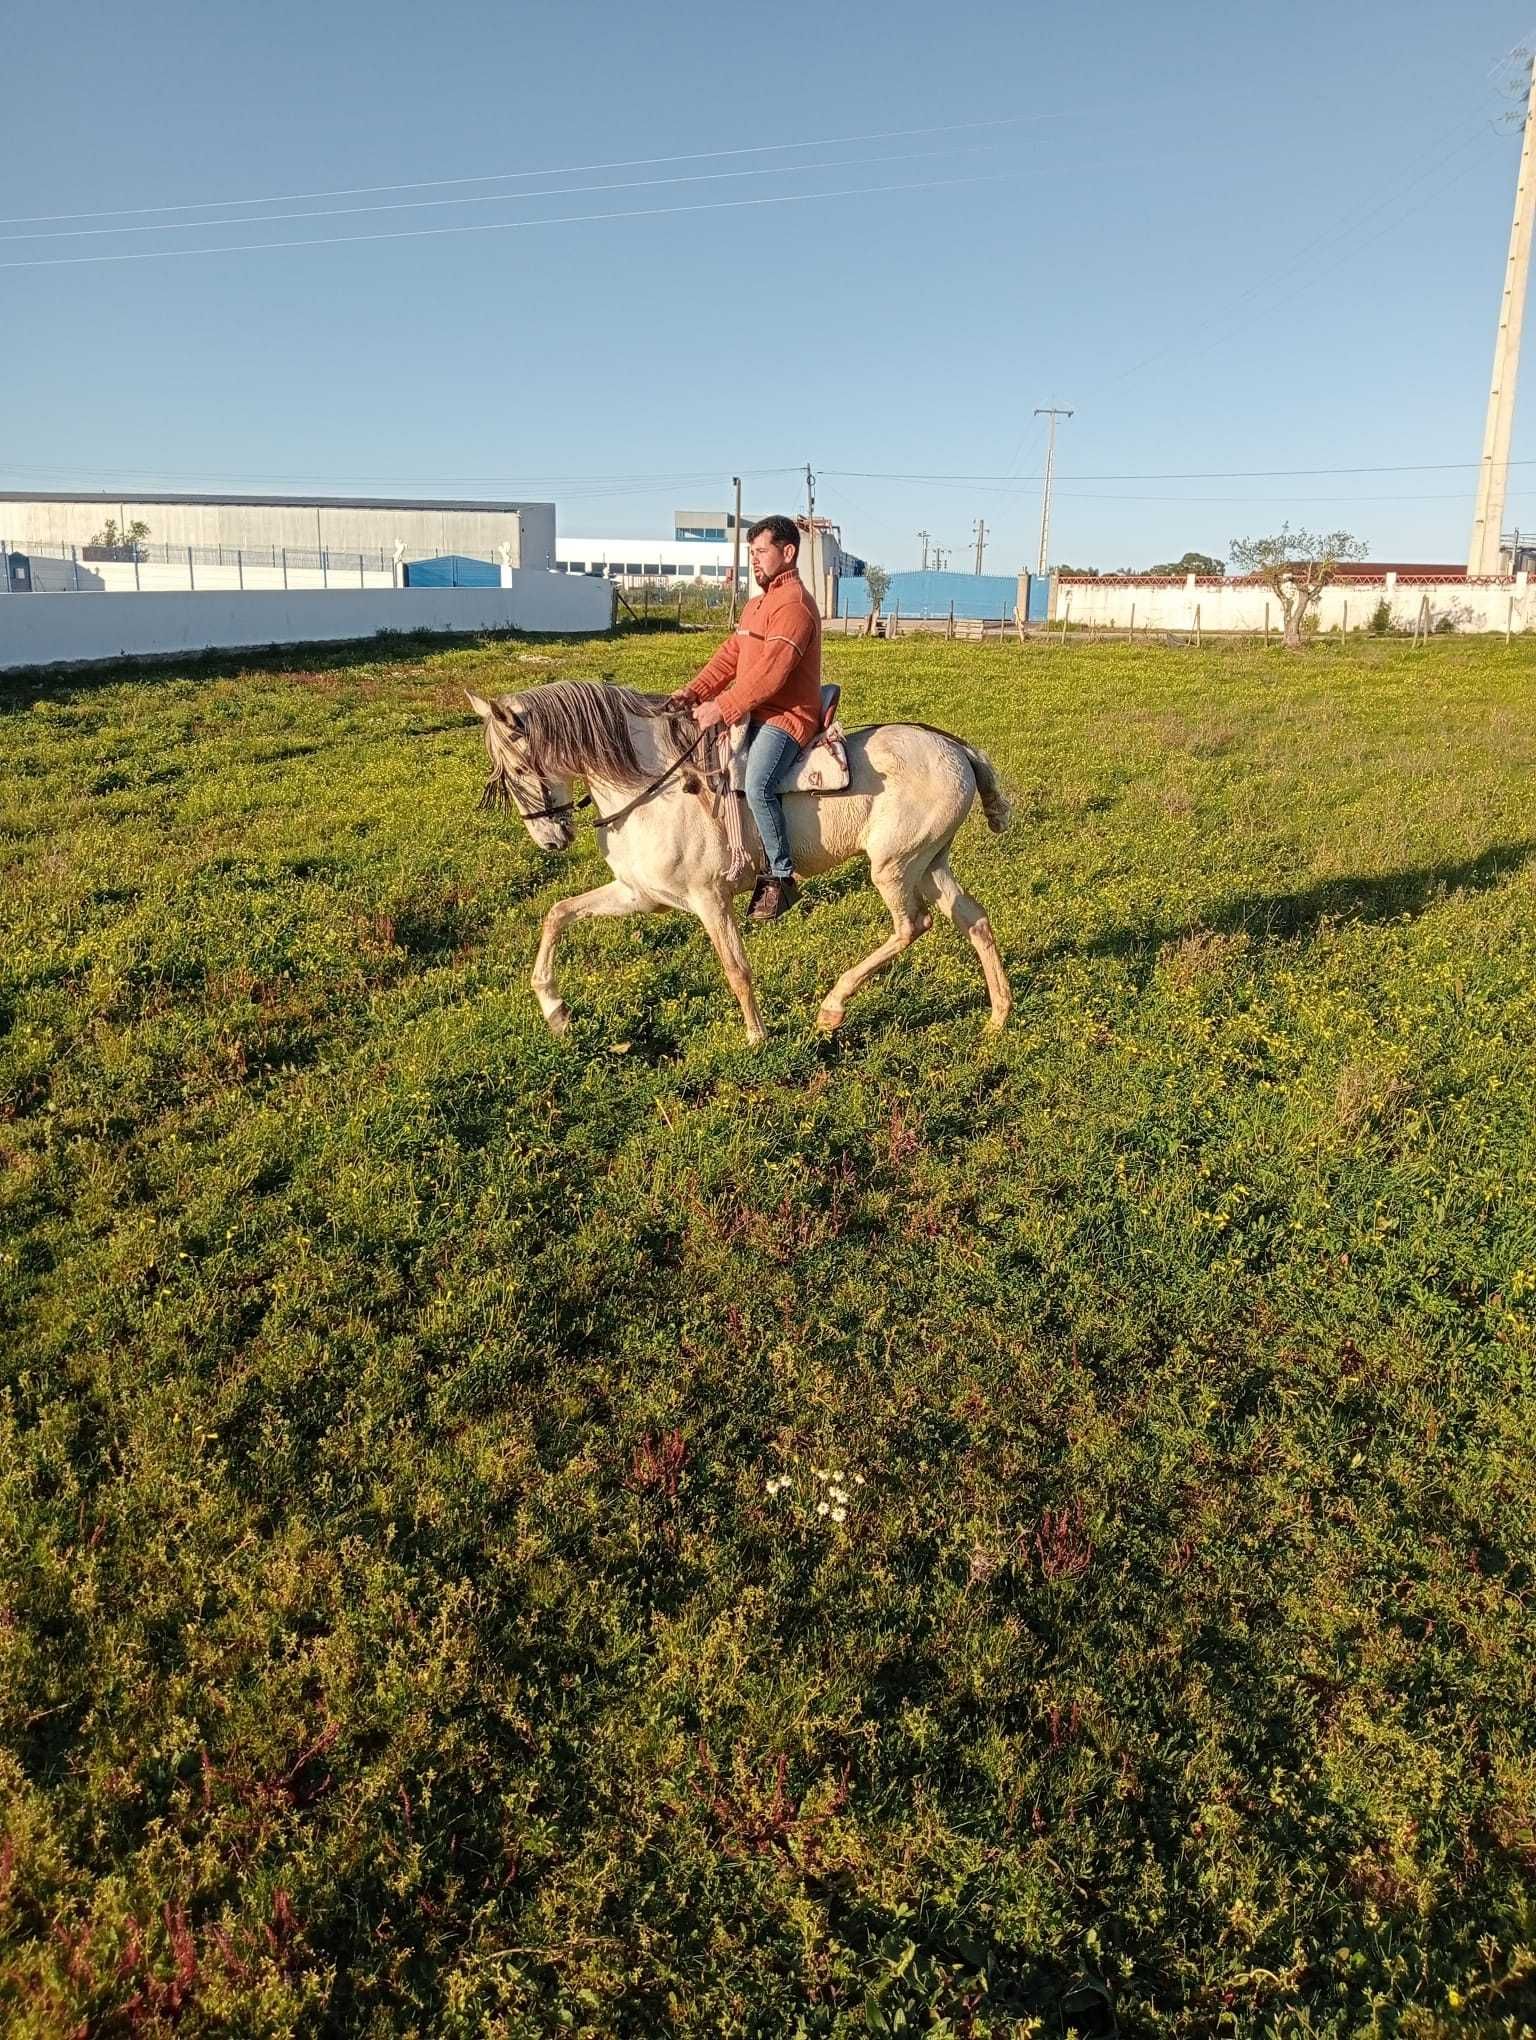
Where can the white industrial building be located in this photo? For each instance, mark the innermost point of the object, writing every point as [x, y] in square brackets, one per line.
[304, 526]
[704, 555]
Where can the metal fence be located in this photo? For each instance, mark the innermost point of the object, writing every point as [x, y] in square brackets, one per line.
[93, 569]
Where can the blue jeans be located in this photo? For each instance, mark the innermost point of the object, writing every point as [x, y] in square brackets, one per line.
[770, 754]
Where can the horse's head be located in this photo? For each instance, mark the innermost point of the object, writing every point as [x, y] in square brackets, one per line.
[542, 799]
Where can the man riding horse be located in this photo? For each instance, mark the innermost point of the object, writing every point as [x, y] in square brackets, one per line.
[768, 672]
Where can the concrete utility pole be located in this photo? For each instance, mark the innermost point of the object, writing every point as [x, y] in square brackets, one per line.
[1485, 555]
[980, 528]
[938, 557]
[736, 552]
[1053, 412]
[925, 536]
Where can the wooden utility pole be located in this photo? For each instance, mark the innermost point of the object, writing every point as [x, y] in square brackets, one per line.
[1053, 412]
[1485, 554]
[981, 540]
[736, 552]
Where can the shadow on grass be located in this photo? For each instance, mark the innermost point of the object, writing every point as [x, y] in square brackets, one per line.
[1279, 917]
[25, 688]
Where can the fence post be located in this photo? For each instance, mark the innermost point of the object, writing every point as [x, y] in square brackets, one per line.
[1266, 623]
[1066, 611]
[136, 569]
[191, 574]
[74, 554]
[1199, 635]
[895, 629]
[285, 566]
[951, 630]
[1509, 620]
[360, 581]
[1133, 623]
[325, 570]
[1344, 620]
[240, 564]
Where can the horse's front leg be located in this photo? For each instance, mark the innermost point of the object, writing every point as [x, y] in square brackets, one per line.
[615, 898]
[714, 910]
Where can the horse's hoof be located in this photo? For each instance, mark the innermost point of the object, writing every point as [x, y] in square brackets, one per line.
[559, 1020]
[829, 1019]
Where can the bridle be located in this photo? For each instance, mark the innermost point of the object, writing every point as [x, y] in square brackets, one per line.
[571, 807]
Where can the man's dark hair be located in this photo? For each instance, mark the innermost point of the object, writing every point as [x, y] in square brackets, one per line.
[782, 530]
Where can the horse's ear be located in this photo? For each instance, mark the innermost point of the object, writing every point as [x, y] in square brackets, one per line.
[483, 709]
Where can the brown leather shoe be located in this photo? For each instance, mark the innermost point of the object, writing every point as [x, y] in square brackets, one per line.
[773, 897]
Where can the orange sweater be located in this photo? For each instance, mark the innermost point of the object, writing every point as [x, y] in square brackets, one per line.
[771, 668]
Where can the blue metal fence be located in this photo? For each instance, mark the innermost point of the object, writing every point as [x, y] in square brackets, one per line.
[988, 596]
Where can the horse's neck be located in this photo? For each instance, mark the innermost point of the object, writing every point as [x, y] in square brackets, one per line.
[655, 747]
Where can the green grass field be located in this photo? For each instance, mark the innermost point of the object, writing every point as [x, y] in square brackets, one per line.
[400, 1633]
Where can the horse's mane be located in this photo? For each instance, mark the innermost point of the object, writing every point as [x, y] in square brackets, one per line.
[575, 728]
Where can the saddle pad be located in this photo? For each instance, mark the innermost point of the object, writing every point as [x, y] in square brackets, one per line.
[822, 766]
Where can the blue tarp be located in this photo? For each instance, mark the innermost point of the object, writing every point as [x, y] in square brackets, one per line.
[930, 594]
[452, 570]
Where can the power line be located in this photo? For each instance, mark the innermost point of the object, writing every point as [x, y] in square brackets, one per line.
[1343, 232]
[564, 170]
[491, 197]
[576, 488]
[1189, 475]
[501, 226]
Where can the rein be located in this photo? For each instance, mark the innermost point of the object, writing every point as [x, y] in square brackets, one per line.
[571, 807]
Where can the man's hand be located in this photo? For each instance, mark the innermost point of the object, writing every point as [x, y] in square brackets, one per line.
[679, 700]
[707, 714]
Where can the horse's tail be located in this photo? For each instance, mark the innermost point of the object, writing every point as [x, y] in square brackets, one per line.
[995, 804]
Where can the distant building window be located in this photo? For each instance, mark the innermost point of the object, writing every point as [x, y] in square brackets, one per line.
[667, 569]
[712, 533]
[633, 569]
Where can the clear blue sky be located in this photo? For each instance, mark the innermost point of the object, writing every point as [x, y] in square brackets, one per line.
[1242, 240]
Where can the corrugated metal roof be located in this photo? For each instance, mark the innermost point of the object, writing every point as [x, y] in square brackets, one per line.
[264, 502]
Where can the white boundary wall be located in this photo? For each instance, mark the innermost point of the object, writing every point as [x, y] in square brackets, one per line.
[47, 630]
[1482, 604]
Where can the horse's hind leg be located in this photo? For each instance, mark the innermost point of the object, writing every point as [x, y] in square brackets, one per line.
[942, 889]
[898, 889]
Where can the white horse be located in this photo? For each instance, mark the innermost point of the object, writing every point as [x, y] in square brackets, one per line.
[659, 827]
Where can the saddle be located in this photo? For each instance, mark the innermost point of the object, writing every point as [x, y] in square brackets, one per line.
[822, 766]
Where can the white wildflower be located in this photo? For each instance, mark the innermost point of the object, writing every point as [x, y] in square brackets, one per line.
[858, 1480]
[821, 1508]
[839, 1515]
[837, 1476]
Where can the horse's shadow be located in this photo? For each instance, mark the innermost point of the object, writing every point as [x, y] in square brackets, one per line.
[1280, 917]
